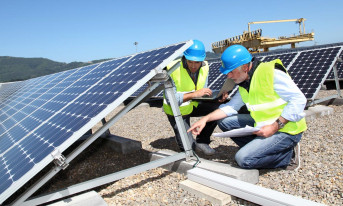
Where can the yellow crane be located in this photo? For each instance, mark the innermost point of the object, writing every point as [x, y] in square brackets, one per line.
[254, 41]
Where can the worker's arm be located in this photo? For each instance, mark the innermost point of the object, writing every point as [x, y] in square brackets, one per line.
[224, 110]
[197, 93]
[197, 127]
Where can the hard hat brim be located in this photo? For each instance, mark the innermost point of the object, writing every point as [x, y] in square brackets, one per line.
[193, 58]
[224, 71]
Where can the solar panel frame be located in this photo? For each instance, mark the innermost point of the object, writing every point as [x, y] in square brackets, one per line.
[155, 67]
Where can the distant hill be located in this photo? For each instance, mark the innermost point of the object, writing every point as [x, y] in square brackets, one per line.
[17, 68]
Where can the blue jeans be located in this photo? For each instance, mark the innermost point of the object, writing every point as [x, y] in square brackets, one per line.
[259, 152]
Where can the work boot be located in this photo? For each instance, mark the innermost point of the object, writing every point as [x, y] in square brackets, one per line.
[205, 148]
[295, 161]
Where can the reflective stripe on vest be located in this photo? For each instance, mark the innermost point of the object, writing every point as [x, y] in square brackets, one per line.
[184, 84]
[182, 105]
[264, 104]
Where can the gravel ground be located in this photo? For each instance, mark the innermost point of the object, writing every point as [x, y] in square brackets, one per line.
[319, 179]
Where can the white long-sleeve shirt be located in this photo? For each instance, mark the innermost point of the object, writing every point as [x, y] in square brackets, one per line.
[285, 87]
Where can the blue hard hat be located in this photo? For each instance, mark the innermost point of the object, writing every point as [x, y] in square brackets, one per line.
[196, 52]
[233, 57]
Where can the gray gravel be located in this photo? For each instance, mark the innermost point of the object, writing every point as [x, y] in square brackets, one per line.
[319, 179]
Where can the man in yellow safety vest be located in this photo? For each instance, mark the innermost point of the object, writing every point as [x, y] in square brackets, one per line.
[275, 104]
[190, 81]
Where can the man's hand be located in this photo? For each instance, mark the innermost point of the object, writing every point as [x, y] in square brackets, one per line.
[224, 97]
[267, 130]
[202, 92]
[197, 93]
[197, 127]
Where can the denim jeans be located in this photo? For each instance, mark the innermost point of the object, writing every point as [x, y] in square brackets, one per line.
[259, 152]
[203, 109]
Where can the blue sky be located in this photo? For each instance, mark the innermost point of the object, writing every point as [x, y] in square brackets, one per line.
[75, 30]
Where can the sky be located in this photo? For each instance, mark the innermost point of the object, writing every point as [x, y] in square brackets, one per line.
[84, 30]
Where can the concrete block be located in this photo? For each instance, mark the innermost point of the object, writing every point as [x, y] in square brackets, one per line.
[317, 111]
[86, 199]
[214, 196]
[246, 175]
[143, 104]
[122, 145]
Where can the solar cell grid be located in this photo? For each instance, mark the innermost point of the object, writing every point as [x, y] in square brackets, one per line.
[54, 111]
[285, 58]
[311, 68]
[215, 78]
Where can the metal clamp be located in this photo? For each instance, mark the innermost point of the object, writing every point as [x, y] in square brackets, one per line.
[59, 159]
[160, 77]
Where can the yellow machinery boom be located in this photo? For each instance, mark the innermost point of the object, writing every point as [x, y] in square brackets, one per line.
[254, 41]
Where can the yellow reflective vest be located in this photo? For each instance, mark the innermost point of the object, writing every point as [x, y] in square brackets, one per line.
[185, 84]
[264, 104]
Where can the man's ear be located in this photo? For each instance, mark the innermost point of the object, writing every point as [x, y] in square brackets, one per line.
[246, 68]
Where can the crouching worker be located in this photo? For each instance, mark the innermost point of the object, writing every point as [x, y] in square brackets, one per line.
[190, 81]
[276, 106]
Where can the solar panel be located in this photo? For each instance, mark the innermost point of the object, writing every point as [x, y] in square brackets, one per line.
[50, 113]
[309, 67]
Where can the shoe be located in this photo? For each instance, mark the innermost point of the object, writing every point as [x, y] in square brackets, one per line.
[205, 148]
[295, 161]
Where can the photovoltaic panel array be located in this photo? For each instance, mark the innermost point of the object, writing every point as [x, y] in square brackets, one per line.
[309, 67]
[51, 112]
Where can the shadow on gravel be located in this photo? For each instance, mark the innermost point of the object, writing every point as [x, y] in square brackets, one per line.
[136, 185]
[266, 171]
[224, 154]
[167, 143]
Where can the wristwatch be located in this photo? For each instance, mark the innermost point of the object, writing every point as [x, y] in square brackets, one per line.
[280, 124]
